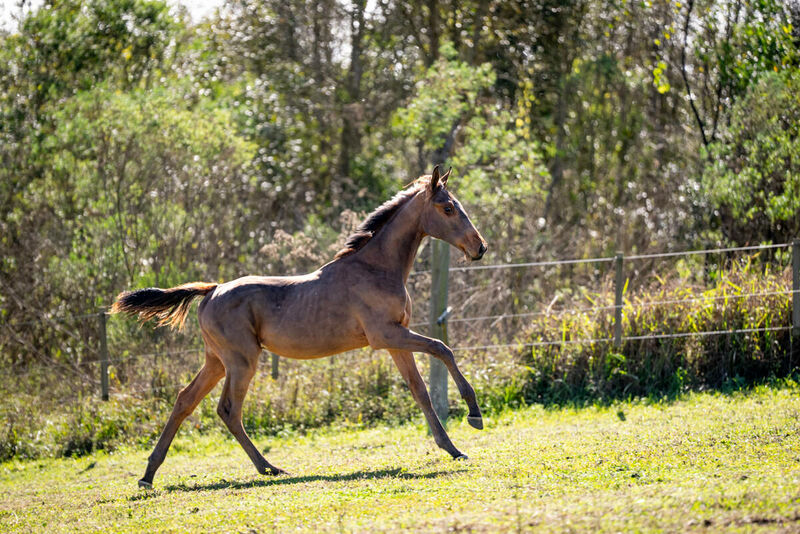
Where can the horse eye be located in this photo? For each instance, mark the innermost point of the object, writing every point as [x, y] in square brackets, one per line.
[448, 209]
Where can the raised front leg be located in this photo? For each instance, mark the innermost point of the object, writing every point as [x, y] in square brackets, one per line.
[408, 368]
[399, 338]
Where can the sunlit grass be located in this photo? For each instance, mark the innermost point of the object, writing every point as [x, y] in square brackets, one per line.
[722, 462]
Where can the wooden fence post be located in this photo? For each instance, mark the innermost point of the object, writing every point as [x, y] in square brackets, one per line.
[274, 365]
[618, 286]
[440, 265]
[103, 358]
[796, 287]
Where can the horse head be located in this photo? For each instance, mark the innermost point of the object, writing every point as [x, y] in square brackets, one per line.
[444, 218]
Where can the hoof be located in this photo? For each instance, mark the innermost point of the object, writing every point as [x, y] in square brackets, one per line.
[463, 457]
[272, 471]
[475, 422]
[145, 484]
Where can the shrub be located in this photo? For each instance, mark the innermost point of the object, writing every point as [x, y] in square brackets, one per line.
[655, 366]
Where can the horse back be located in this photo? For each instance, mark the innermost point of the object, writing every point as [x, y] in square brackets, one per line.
[302, 317]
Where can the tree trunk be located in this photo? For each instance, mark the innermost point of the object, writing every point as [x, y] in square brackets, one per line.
[352, 109]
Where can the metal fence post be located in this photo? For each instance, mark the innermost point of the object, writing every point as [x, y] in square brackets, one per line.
[618, 286]
[796, 287]
[440, 264]
[103, 358]
[274, 365]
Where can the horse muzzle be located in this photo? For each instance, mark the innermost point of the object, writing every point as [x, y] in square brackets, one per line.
[481, 251]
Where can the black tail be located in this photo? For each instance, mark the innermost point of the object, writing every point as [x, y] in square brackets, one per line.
[169, 306]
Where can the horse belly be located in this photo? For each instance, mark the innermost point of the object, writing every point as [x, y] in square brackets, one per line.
[313, 339]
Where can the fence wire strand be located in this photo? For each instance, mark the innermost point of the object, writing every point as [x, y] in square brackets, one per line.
[624, 338]
[62, 319]
[628, 305]
[706, 251]
[608, 259]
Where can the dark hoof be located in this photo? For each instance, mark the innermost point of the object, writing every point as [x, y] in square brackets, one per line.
[272, 470]
[463, 457]
[145, 484]
[475, 422]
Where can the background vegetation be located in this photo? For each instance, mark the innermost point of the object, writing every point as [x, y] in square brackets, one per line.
[141, 148]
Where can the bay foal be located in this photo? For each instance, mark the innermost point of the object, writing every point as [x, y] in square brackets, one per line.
[356, 300]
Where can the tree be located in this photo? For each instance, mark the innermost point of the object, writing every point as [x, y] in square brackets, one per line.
[754, 180]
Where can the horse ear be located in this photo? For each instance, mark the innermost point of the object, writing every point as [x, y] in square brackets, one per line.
[434, 178]
[445, 176]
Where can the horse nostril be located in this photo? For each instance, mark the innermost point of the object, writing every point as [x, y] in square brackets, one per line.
[482, 250]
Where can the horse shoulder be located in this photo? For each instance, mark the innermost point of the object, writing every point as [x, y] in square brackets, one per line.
[371, 293]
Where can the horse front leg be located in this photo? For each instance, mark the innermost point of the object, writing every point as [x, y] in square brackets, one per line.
[398, 337]
[408, 369]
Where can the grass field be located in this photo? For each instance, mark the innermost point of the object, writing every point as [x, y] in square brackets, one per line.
[705, 462]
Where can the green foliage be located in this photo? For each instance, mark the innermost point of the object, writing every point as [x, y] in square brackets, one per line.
[754, 177]
[761, 43]
[77, 429]
[445, 93]
[495, 158]
[142, 171]
[74, 44]
[655, 367]
[63, 52]
[659, 80]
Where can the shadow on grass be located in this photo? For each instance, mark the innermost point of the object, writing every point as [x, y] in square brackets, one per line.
[279, 481]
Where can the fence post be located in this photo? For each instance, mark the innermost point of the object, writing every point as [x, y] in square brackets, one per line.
[440, 265]
[274, 365]
[618, 285]
[103, 358]
[796, 287]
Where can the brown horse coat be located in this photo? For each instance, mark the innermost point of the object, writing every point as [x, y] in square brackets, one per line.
[358, 299]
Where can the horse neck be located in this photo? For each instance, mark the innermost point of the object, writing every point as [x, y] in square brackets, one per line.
[394, 247]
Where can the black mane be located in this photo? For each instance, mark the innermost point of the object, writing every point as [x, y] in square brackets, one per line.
[378, 218]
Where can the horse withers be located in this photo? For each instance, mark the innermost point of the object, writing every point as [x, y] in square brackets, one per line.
[359, 299]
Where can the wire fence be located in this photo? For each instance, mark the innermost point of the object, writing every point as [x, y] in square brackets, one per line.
[586, 341]
[627, 306]
[61, 318]
[621, 305]
[608, 259]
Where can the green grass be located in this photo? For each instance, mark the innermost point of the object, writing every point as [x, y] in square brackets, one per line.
[704, 462]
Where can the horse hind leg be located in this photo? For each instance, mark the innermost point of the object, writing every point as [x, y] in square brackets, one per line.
[188, 399]
[239, 372]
